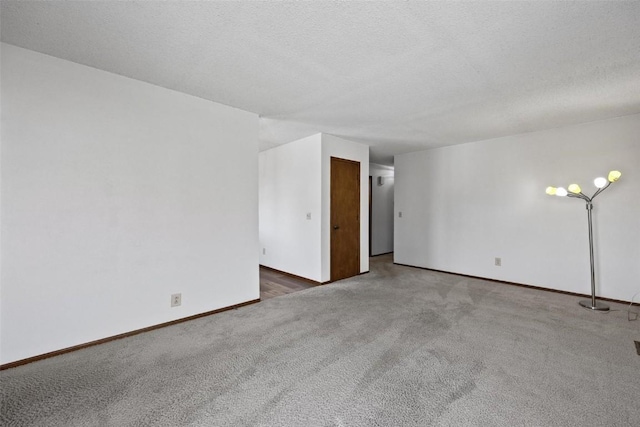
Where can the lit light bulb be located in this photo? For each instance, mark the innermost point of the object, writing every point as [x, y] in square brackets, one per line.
[614, 176]
[551, 191]
[600, 182]
[560, 191]
[575, 188]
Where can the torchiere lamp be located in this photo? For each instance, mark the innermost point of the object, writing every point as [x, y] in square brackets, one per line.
[575, 191]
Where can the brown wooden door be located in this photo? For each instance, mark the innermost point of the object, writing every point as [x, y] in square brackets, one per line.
[370, 216]
[345, 218]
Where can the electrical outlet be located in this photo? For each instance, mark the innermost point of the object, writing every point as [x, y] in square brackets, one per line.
[176, 300]
[309, 215]
[498, 262]
[264, 251]
[399, 214]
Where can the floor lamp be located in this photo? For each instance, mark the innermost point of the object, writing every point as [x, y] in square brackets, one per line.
[575, 191]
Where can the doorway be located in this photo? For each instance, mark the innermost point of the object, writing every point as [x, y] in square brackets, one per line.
[345, 218]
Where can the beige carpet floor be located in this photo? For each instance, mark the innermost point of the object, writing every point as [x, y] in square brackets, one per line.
[396, 347]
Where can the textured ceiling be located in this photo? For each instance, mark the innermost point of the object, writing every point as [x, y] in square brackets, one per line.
[398, 76]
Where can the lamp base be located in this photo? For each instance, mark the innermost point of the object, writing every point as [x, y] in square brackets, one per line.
[598, 307]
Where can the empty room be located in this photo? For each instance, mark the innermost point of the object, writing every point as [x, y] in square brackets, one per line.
[319, 213]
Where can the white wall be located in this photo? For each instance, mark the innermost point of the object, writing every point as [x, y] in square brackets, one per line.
[295, 180]
[381, 209]
[116, 194]
[464, 205]
[333, 146]
[290, 188]
[1, 192]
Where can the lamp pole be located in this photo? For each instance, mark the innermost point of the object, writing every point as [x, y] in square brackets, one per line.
[575, 191]
[592, 304]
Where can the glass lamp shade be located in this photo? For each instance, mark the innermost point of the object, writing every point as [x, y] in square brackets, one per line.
[551, 191]
[614, 176]
[600, 182]
[560, 191]
[575, 189]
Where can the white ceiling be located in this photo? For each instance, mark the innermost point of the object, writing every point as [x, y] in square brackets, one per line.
[398, 76]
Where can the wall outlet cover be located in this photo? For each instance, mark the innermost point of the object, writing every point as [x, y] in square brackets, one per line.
[176, 300]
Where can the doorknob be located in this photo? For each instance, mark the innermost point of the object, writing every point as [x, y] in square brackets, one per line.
[335, 227]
